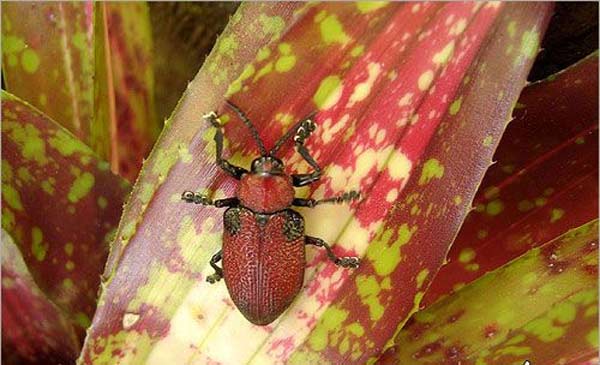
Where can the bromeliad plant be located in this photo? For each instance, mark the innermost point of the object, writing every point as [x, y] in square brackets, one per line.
[411, 100]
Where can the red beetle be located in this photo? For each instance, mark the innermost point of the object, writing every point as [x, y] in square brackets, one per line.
[263, 242]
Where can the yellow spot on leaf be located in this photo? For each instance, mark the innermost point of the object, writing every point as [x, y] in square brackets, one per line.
[11, 197]
[284, 118]
[444, 55]
[102, 202]
[491, 192]
[514, 350]
[455, 106]
[82, 320]
[69, 248]
[457, 199]
[488, 141]
[556, 214]
[285, 63]
[263, 53]
[525, 205]
[66, 144]
[236, 85]
[405, 100]
[511, 28]
[466, 255]
[421, 276]
[227, 45]
[368, 289]
[386, 255]
[265, 70]
[363, 89]
[529, 43]
[391, 196]
[329, 92]
[369, 6]
[332, 321]
[39, 249]
[273, 25]
[494, 207]
[592, 337]
[357, 51]
[472, 267]
[425, 80]
[30, 61]
[332, 31]
[458, 27]
[81, 187]
[28, 138]
[399, 166]
[550, 327]
[431, 169]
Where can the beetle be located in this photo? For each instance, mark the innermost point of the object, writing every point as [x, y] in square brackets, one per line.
[263, 256]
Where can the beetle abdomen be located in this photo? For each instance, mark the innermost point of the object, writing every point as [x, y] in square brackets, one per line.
[263, 261]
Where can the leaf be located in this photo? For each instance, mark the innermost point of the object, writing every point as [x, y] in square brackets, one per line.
[554, 286]
[124, 85]
[34, 330]
[92, 75]
[375, 94]
[60, 204]
[48, 60]
[544, 183]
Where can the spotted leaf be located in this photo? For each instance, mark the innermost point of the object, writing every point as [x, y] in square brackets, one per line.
[540, 307]
[92, 71]
[408, 96]
[60, 204]
[50, 46]
[34, 330]
[545, 180]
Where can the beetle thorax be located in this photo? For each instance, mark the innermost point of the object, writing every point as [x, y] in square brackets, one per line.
[266, 193]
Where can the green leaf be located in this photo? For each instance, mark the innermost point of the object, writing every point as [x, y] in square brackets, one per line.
[541, 307]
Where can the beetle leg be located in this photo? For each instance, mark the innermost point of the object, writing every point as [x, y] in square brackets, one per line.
[232, 170]
[218, 271]
[302, 133]
[197, 198]
[347, 261]
[345, 197]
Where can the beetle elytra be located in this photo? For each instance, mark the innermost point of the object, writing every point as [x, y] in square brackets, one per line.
[263, 256]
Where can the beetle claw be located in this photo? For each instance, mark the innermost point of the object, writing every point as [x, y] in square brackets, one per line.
[188, 196]
[213, 119]
[213, 278]
[348, 262]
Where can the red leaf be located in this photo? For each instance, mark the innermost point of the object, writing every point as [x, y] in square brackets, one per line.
[544, 183]
[60, 204]
[34, 330]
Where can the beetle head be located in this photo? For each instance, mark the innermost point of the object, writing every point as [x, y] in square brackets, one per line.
[267, 165]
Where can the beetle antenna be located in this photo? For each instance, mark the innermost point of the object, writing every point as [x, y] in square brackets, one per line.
[292, 131]
[250, 126]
